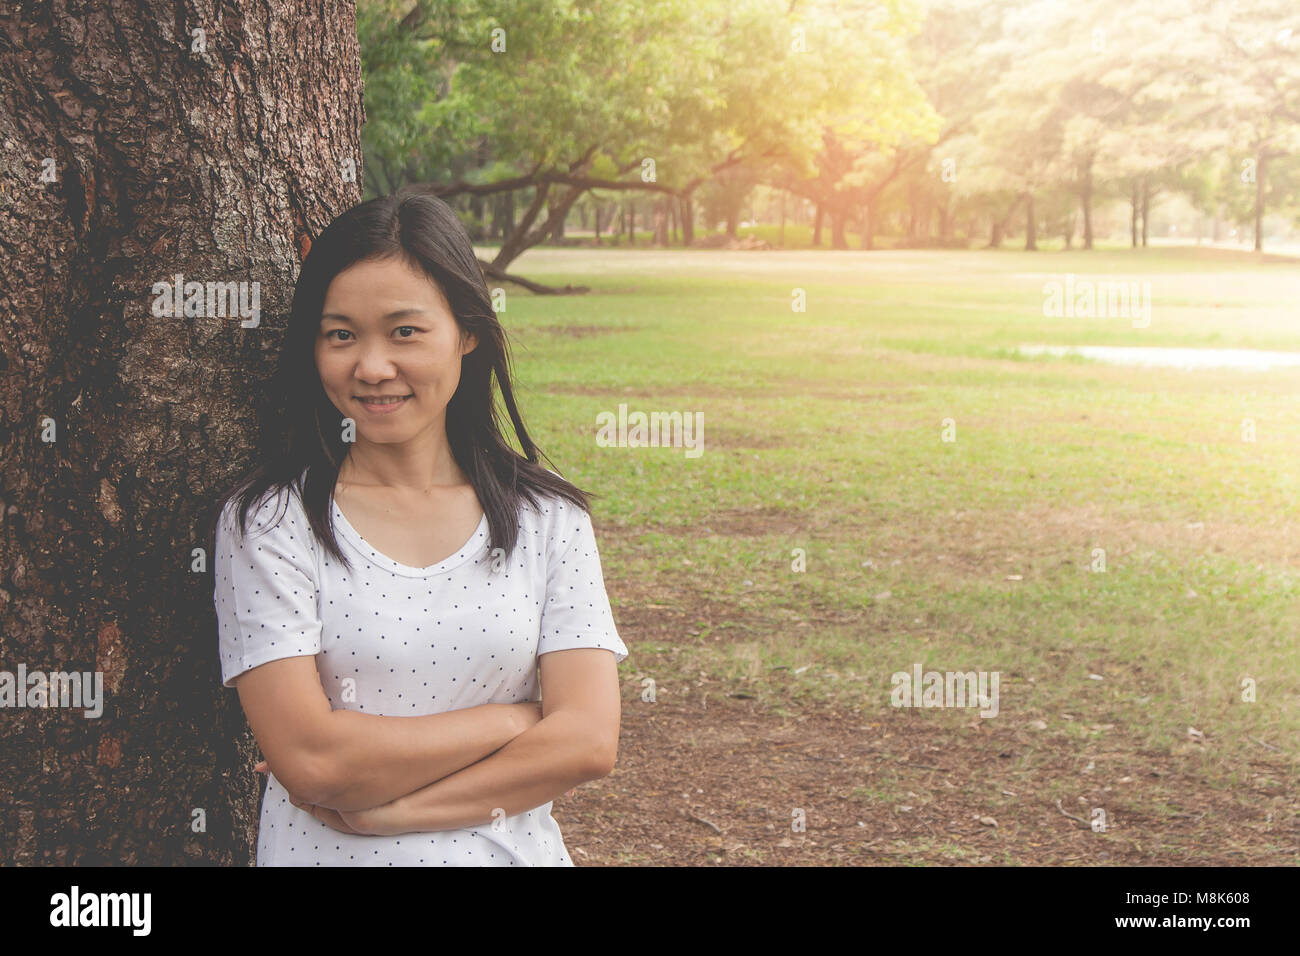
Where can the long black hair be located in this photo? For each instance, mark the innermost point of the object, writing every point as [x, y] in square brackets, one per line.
[301, 443]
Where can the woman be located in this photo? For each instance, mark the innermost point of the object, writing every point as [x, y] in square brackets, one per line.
[395, 584]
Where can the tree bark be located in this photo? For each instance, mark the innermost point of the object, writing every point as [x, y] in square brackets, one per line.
[1031, 227]
[817, 227]
[218, 161]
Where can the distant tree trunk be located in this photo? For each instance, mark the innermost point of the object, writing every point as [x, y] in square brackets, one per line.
[817, 227]
[1146, 209]
[688, 220]
[478, 214]
[600, 208]
[869, 226]
[671, 203]
[733, 219]
[838, 239]
[1259, 201]
[631, 222]
[1000, 225]
[1031, 227]
[945, 219]
[170, 163]
[1085, 197]
[913, 202]
[557, 230]
[1134, 202]
[661, 222]
[1067, 228]
[782, 239]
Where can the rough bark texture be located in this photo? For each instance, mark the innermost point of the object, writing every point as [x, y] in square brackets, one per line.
[219, 165]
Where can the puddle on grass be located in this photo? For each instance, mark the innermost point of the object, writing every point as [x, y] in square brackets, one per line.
[1186, 359]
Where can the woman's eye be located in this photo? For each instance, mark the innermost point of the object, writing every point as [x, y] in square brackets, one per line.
[341, 331]
[411, 327]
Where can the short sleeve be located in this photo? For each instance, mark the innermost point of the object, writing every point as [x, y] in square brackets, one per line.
[577, 612]
[265, 587]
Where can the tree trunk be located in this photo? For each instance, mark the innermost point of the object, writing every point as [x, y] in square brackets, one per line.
[552, 214]
[1000, 225]
[688, 220]
[1259, 202]
[1085, 196]
[869, 232]
[1134, 201]
[838, 239]
[782, 239]
[661, 222]
[219, 165]
[1031, 227]
[733, 219]
[817, 227]
[631, 222]
[1146, 209]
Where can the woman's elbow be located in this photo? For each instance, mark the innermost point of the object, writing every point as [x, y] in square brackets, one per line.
[600, 754]
[309, 779]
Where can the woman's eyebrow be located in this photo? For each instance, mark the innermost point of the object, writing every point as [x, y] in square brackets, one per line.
[399, 314]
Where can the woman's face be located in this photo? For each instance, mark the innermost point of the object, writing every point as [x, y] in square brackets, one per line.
[388, 332]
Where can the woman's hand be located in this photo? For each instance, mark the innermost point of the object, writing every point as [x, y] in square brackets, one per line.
[375, 821]
[368, 822]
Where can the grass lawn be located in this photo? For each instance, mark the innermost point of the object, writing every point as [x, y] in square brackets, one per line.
[1105, 538]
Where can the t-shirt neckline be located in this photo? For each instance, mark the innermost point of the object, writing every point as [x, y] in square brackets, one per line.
[367, 551]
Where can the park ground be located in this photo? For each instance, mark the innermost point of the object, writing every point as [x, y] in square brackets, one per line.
[1119, 544]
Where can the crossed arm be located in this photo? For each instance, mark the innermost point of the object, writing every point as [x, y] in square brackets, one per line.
[441, 771]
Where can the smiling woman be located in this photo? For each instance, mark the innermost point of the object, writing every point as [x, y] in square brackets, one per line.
[390, 672]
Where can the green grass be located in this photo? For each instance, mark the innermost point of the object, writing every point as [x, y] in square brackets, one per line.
[832, 419]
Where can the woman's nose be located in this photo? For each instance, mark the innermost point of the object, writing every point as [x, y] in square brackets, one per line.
[375, 364]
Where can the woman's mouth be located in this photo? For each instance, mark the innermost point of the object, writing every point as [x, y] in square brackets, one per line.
[385, 405]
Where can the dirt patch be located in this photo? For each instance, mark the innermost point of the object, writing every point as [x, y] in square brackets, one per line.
[706, 779]
[741, 523]
[717, 772]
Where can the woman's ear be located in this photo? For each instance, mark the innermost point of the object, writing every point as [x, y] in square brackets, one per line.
[468, 342]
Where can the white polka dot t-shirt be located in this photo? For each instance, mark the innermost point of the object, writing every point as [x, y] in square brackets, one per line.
[403, 641]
